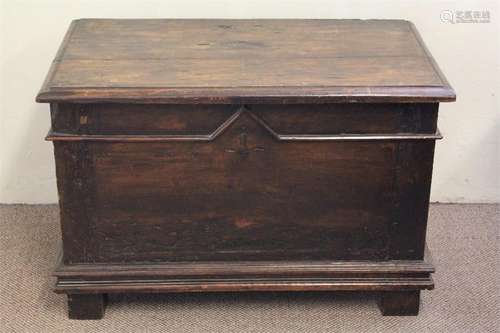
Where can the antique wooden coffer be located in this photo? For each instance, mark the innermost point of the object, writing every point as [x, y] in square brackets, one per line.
[243, 155]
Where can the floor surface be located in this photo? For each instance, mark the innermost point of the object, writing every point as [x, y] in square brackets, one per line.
[463, 240]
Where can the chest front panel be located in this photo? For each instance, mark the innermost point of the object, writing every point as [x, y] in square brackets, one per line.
[145, 183]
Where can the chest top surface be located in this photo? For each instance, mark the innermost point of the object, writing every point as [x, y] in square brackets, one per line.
[243, 61]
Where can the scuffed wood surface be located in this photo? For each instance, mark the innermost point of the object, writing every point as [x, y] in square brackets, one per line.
[224, 61]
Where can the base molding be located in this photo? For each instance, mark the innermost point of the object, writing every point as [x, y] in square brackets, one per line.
[244, 276]
[398, 282]
[222, 285]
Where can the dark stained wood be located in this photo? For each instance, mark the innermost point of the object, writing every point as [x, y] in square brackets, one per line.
[326, 119]
[240, 284]
[315, 119]
[325, 122]
[244, 61]
[412, 184]
[400, 303]
[76, 186]
[245, 276]
[214, 189]
[243, 155]
[247, 268]
[86, 306]
[137, 119]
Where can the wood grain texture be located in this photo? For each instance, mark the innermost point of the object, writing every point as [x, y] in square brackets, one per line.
[244, 193]
[245, 276]
[117, 285]
[243, 155]
[206, 201]
[76, 189]
[299, 122]
[245, 268]
[246, 208]
[244, 61]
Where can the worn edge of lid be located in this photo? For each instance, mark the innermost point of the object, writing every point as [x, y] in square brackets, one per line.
[435, 66]
[231, 95]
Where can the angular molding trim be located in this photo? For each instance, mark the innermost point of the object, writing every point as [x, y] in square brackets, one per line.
[58, 136]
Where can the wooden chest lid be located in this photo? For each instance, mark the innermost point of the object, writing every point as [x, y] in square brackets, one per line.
[243, 61]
